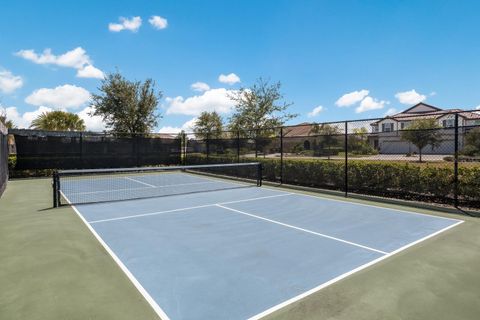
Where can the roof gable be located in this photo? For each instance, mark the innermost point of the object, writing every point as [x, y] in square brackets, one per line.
[421, 108]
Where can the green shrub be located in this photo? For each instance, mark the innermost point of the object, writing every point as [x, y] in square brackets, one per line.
[381, 178]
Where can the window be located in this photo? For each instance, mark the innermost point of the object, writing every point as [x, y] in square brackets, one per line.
[387, 127]
[403, 125]
[448, 123]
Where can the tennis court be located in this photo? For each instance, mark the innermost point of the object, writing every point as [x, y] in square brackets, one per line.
[201, 247]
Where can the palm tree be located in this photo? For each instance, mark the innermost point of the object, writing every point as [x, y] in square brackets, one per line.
[58, 121]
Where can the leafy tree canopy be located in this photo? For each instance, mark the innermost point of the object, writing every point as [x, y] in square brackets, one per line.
[127, 106]
[8, 123]
[259, 107]
[421, 133]
[208, 125]
[58, 121]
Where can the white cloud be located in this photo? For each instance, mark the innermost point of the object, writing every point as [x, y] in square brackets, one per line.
[66, 96]
[94, 123]
[132, 24]
[390, 112]
[200, 86]
[478, 108]
[90, 71]
[76, 58]
[23, 120]
[158, 22]
[369, 104]
[186, 127]
[410, 97]
[210, 100]
[316, 111]
[9, 82]
[351, 98]
[230, 79]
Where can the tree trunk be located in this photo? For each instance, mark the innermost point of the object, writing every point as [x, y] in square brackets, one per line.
[420, 154]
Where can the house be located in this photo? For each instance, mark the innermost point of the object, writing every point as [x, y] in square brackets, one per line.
[386, 135]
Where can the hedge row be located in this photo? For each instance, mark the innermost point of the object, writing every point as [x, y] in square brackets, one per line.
[380, 178]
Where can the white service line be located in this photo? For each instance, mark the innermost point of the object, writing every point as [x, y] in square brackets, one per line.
[302, 229]
[138, 181]
[342, 276]
[187, 208]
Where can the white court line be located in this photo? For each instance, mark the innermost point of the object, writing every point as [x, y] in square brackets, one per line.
[187, 208]
[124, 268]
[302, 229]
[138, 181]
[128, 189]
[340, 277]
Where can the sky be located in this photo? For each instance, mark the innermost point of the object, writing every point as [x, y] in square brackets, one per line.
[336, 60]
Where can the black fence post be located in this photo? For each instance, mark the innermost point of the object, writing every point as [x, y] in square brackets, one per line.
[281, 155]
[256, 144]
[82, 165]
[207, 146]
[137, 149]
[184, 146]
[238, 146]
[259, 175]
[346, 158]
[455, 164]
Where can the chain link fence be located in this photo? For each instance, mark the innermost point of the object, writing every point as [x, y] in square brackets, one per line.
[3, 158]
[432, 157]
[428, 157]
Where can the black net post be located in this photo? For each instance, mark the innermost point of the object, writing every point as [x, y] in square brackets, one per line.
[281, 155]
[346, 158]
[455, 164]
[56, 189]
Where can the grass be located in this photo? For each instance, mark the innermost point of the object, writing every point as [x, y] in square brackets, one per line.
[51, 265]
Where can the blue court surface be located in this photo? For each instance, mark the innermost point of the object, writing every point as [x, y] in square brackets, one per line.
[239, 252]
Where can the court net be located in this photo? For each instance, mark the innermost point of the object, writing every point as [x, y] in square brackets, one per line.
[104, 185]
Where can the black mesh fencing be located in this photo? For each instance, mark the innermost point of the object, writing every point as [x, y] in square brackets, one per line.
[87, 150]
[3, 158]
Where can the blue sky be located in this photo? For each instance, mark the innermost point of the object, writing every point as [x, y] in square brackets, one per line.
[344, 59]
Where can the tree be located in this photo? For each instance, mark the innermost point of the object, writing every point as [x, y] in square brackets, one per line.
[357, 142]
[58, 121]
[328, 136]
[127, 106]
[472, 142]
[421, 133]
[208, 125]
[8, 123]
[259, 107]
